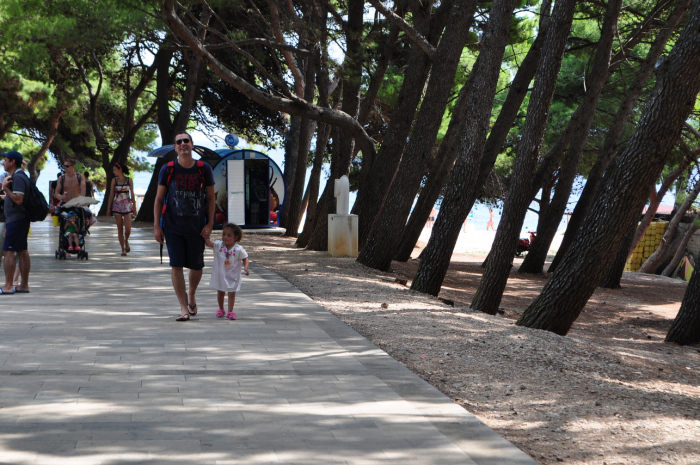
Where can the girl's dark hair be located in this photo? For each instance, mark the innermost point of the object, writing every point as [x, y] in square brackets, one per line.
[124, 168]
[235, 229]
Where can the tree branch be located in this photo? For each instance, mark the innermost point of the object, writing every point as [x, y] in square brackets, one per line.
[294, 105]
[414, 35]
[276, 82]
[277, 31]
[257, 41]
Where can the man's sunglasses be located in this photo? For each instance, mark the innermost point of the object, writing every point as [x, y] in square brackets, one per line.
[180, 141]
[68, 166]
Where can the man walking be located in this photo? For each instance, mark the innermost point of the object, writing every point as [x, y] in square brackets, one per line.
[70, 184]
[188, 219]
[17, 223]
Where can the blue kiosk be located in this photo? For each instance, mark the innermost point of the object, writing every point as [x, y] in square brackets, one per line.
[249, 185]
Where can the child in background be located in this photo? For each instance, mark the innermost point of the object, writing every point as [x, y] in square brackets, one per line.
[71, 232]
[226, 271]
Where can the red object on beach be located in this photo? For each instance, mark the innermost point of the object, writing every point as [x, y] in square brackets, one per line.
[524, 244]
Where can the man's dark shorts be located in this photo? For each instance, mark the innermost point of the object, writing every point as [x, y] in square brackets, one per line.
[184, 251]
[16, 235]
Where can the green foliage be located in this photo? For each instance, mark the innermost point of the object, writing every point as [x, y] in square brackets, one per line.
[391, 84]
[42, 44]
[23, 144]
[45, 42]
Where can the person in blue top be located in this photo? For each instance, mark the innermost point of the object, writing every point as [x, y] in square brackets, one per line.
[186, 187]
[17, 223]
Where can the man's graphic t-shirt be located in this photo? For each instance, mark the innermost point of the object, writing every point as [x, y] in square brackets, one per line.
[186, 212]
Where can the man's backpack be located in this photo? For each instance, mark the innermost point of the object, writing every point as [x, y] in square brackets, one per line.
[169, 170]
[34, 202]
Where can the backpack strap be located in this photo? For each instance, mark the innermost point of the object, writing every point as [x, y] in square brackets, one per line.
[63, 182]
[200, 169]
[170, 168]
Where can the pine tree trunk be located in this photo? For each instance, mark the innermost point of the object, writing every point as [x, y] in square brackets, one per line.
[625, 189]
[580, 125]
[613, 276]
[294, 206]
[314, 185]
[655, 200]
[619, 122]
[648, 217]
[323, 131]
[340, 165]
[680, 250]
[659, 256]
[376, 177]
[465, 183]
[380, 247]
[291, 152]
[685, 328]
[449, 149]
[294, 203]
[318, 236]
[318, 239]
[377, 78]
[493, 282]
[437, 177]
[547, 225]
[343, 142]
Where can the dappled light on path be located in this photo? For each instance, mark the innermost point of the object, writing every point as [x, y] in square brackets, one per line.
[610, 391]
[107, 375]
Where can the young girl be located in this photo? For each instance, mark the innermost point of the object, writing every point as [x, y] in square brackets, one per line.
[226, 271]
[71, 232]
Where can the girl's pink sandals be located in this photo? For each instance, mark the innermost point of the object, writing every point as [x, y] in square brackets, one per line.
[231, 316]
[220, 312]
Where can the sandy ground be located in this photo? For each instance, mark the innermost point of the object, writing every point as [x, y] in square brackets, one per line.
[610, 392]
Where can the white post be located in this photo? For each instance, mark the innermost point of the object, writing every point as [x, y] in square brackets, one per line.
[341, 191]
[342, 227]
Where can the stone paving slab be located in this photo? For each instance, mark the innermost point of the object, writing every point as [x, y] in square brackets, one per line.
[94, 369]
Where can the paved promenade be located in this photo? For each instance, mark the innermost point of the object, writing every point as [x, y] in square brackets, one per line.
[94, 369]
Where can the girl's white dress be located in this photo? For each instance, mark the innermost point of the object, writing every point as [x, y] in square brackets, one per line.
[226, 271]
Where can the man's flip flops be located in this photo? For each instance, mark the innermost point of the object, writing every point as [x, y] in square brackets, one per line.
[19, 291]
[183, 318]
[6, 293]
[192, 310]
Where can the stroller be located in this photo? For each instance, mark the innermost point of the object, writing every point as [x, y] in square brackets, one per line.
[82, 223]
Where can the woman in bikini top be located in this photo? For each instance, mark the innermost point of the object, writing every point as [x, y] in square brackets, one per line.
[123, 205]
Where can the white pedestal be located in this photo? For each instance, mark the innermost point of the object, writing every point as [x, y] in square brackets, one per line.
[342, 235]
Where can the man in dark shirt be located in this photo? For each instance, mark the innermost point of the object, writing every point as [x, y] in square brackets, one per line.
[14, 187]
[188, 219]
